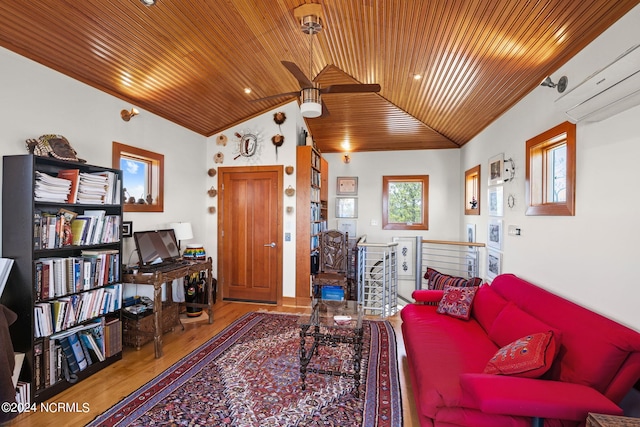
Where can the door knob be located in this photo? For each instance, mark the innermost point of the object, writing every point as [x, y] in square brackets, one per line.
[272, 244]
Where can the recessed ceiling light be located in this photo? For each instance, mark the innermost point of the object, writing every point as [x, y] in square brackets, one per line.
[247, 90]
[417, 76]
[148, 2]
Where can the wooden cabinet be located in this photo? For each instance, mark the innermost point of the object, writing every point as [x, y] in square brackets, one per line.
[54, 272]
[311, 218]
[324, 189]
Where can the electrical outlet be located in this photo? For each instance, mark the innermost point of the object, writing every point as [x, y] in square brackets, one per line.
[514, 230]
[374, 222]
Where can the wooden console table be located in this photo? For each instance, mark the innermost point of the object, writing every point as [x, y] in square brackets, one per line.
[158, 278]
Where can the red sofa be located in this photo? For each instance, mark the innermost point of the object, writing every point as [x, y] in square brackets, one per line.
[596, 363]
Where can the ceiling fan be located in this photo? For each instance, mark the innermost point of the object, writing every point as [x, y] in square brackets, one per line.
[311, 104]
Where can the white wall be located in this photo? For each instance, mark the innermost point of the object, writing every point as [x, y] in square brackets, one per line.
[266, 128]
[36, 100]
[443, 168]
[591, 257]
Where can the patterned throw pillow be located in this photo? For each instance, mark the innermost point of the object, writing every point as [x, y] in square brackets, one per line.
[457, 301]
[439, 280]
[528, 357]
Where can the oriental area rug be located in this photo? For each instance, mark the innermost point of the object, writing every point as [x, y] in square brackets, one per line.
[249, 376]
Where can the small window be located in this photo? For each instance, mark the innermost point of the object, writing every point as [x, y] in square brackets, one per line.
[472, 191]
[405, 202]
[143, 178]
[551, 172]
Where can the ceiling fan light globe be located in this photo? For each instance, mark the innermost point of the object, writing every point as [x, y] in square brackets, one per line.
[311, 109]
[310, 105]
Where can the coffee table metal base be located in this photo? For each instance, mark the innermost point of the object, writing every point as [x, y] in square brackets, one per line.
[329, 337]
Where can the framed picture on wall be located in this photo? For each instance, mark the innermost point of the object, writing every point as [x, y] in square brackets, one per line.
[406, 257]
[494, 264]
[348, 226]
[347, 186]
[496, 169]
[496, 200]
[494, 234]
[346, 207]
[471, 234]
[127, 228]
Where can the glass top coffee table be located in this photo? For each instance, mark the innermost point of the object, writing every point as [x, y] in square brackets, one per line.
[329, 324]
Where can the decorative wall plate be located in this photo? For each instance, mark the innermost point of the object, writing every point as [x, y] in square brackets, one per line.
[249, 144]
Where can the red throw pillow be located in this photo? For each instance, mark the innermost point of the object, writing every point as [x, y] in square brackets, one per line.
[439, 280]
[457, 301]
[530, 356]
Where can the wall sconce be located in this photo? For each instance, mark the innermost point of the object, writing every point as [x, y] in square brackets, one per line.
[126, 114]
[561, 85]
[346, 158]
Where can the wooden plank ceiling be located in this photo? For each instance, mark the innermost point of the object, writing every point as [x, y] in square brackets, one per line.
[189, 61]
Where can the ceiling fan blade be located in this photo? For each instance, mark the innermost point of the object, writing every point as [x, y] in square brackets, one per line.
[298, 74]
[325, 110]
[355, 88]
[280, 95]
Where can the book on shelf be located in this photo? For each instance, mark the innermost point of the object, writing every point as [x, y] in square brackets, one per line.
[5, 269]
[95, 352]
[56, 276]
[98, 222]
[64, 228]
[94, 188]
[112, 337]
[79, 229]
[72, 175]
[48, 188]
[56, 316]
[17, 367]
[23, 394]
[72, 347]
[69, 355]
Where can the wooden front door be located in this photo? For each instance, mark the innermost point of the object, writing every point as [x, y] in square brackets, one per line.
[250, 233]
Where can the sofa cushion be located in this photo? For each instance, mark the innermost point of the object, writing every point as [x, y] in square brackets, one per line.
[427, 296]
[487, 304]
[439, 280]
[457, 301]
[593, 349]
[499, 394]
[528, 357]
[439, 348]
[513, 323]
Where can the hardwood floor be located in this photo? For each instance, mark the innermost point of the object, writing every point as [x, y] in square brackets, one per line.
[109, 386]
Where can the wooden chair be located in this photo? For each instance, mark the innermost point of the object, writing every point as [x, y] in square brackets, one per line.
[332, 269]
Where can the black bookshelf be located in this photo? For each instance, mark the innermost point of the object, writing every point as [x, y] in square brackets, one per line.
[18, 235]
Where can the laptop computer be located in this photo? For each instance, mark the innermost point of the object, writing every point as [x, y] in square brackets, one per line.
[157, 249]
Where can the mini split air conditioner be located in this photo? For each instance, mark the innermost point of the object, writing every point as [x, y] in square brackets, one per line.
[608, 91]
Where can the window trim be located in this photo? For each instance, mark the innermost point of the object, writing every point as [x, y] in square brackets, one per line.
[472, 187]
[386, 180]
[156, 180]
[536, 184]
